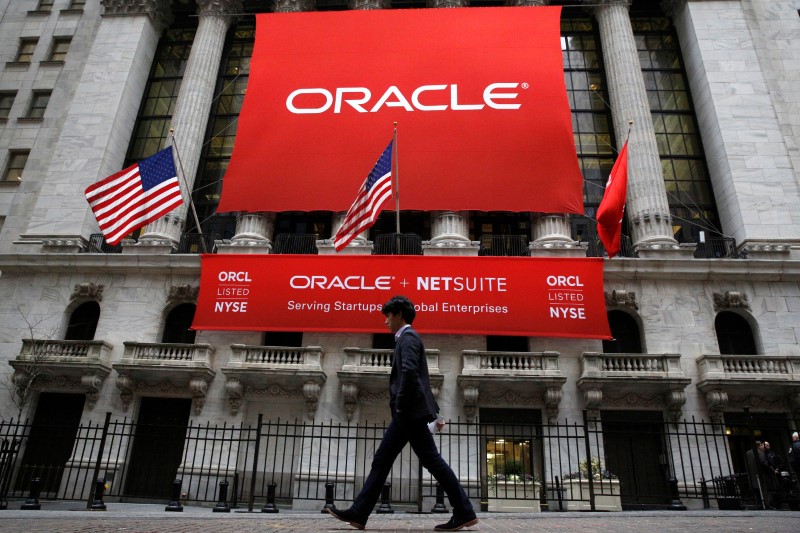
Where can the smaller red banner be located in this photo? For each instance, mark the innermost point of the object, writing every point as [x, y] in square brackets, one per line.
[548, 297]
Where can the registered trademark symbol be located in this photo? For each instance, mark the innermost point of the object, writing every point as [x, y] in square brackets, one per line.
[525, 85]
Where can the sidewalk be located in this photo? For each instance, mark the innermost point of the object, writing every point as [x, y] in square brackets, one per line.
[71, 517]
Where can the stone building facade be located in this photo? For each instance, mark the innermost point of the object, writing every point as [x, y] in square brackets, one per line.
[705, 305]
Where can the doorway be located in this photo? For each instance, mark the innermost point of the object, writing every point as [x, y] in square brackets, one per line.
[634, 447]
[52, 437]
[157, 450]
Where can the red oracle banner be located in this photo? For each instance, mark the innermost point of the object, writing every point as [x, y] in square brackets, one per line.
[547, 297]
[478, 94]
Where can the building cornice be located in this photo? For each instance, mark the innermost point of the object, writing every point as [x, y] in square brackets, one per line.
[624, 269]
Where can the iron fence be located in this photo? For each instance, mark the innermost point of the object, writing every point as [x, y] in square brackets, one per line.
[577, 465]
[596, 249]
[398, 244]
[296, 243]
[97, 245]
[504, 245]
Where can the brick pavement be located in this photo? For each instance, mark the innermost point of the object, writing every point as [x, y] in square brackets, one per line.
[131, 518]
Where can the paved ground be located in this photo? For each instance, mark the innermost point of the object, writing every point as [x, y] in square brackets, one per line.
[132, 518]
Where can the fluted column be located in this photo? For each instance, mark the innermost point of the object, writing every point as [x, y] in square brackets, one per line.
[647, 206]
[450, 229]
[361, 244]
[552, 236]
[255, 231]
[193, 106]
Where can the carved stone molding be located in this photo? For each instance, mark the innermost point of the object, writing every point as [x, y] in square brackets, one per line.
[183, 293]
[350, 394]
[621, 298]
[448, 3]
[510, 397]
[235, 391]
[159, 11]
[716, 401]
[370, 4]
[219, 7]
[633, 400]
[273, 391]
[125, 384]
[199, 387]
[593, 398]
[293, 6]
[762, 403]
[675, 401]
[552, 399]
[524, 3]
[64, 245]
[470, 402]
[91, 384]
[730, 300]
[311, 394]
[88, 291]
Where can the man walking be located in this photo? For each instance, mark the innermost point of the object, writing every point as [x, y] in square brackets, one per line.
[413, 407]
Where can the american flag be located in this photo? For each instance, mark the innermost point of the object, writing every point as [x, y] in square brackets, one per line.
[135, 196]
[374, 192]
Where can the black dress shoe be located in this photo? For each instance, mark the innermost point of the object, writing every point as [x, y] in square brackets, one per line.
[457, 523]
[351, 517]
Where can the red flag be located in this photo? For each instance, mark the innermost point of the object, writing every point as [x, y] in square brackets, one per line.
[612, 206]
[135, 196]
[374, 192]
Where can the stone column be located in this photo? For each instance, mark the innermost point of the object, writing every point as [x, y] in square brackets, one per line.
[192, 109]
[360, 245]
[255, 231]
[75, 152]
[647, 207]
[450, 234]
[450, 229]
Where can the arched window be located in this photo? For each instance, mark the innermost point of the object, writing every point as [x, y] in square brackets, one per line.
[176, 327]
[83, 322]
[734, 334]
[625, 330]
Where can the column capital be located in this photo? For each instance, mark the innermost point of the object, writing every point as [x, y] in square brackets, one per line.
[448, 3]
[607, 3]
[219, 7]
[293, 6]
[526, 3]
[159, 11]
[369, 4]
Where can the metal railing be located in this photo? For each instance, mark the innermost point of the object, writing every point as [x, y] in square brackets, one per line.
[398, 244]
[562, 466]
[504, 245]
[97, 245]
[196, 243]
[596, 248]
[717, 248]
[296, 243]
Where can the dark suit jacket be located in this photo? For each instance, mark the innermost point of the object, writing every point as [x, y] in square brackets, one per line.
[410, 393]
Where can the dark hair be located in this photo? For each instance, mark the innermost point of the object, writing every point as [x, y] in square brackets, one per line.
[400, 305]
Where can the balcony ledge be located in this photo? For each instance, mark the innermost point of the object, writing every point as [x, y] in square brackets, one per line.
[289, 368]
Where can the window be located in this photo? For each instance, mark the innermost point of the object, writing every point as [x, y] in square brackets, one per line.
[686, 177]
[39, 102]
[83, 322]
[6, 101]
[26, 48]
[734, 334]
[16, 164]
[178, 324]
[506, 343]
[45, 5]
[76, 4]
[291, 339]
[58, 52]
[625, 330]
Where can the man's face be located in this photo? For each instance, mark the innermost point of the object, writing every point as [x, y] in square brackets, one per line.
[394, 322]
[766, 445]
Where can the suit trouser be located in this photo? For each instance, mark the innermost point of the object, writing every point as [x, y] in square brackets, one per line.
[416, 432]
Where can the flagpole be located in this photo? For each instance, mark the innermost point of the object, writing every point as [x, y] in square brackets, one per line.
[188, 191]
[396, 181]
